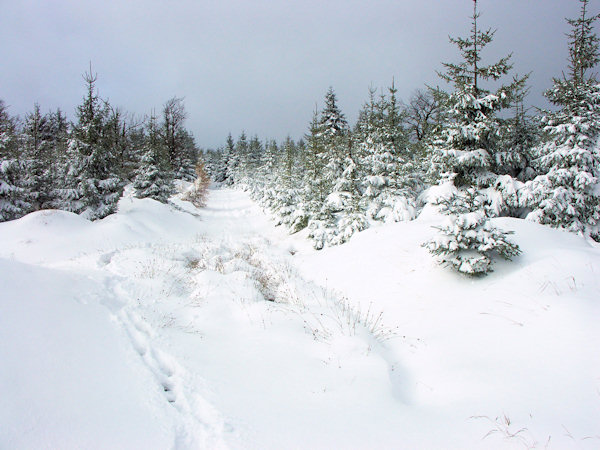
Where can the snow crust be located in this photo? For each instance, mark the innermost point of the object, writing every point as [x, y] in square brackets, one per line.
[164, 326]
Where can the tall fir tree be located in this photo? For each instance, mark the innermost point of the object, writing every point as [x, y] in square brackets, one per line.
[230, 161]
[13, 194]
[333, 134]
[464, 156]
[567, 194]
[463, 150]
[37, 156]
[93, 188]
[389, 178]
[154, 177]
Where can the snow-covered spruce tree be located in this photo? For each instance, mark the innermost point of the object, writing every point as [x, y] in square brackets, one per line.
[463, 155]
[389, 178]
[230, 161]
[467, 240]
[92, 187]
[286, 203]
[237, 156]
[59, 160]
[13, 196]
[514, 160]
[262, 188]
[567, 194]
[212, 162]
[254, 156]
[154, 176]
[518, 137]
[38, 147]
[266, 177]
[463, 150]
[118, 140]
[344, 201]
[314, 189]
[188, 157]
[251, 154]
[333, 134]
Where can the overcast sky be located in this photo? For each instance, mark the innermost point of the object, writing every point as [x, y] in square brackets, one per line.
[258, 65]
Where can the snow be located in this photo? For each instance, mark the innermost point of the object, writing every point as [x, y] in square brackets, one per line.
[165, 326]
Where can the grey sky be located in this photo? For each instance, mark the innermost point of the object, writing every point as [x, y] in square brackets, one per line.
[258, 65]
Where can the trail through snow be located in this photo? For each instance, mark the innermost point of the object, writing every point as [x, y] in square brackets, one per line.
[164, 326]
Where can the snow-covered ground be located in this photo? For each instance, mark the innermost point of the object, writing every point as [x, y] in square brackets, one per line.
[164, 326]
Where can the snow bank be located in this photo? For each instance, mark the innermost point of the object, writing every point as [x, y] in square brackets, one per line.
[163, 326]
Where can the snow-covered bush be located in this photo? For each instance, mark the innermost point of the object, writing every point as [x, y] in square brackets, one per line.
[467, 240]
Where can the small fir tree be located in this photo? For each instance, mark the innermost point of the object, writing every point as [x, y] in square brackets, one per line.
[467, 241]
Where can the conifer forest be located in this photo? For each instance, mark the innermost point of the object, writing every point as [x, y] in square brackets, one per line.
[472, 148]
[414, 266]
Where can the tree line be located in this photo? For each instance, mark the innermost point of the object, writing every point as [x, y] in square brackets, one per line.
[47, 162]
[473, 149]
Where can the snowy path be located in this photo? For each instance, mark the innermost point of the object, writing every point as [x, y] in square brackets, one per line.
[170, 327]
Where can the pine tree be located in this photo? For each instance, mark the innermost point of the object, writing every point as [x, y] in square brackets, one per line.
[286, 203]
[59, 158]
[255, 154]
[344, 201]
[566, 195]
[13, 196]
[467, 240]
[154, 177]
[464, 154]
[93, 188]
[464, 148]
[230, 161]
[514, 160]
[390, 178]
[187, 160]
[37, 141]
[333, 134]
[315, 189]
[518, 136]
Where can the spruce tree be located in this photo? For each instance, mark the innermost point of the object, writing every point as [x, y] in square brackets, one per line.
[467, 241]
[13, 195]
[389, 179]
[463, 149]
[37, 157]
[567, 195]
[93, 188]
[315, 189]
[286, 203]
[154, 177]
[333, 134]
[464, 156]
[230, 161]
